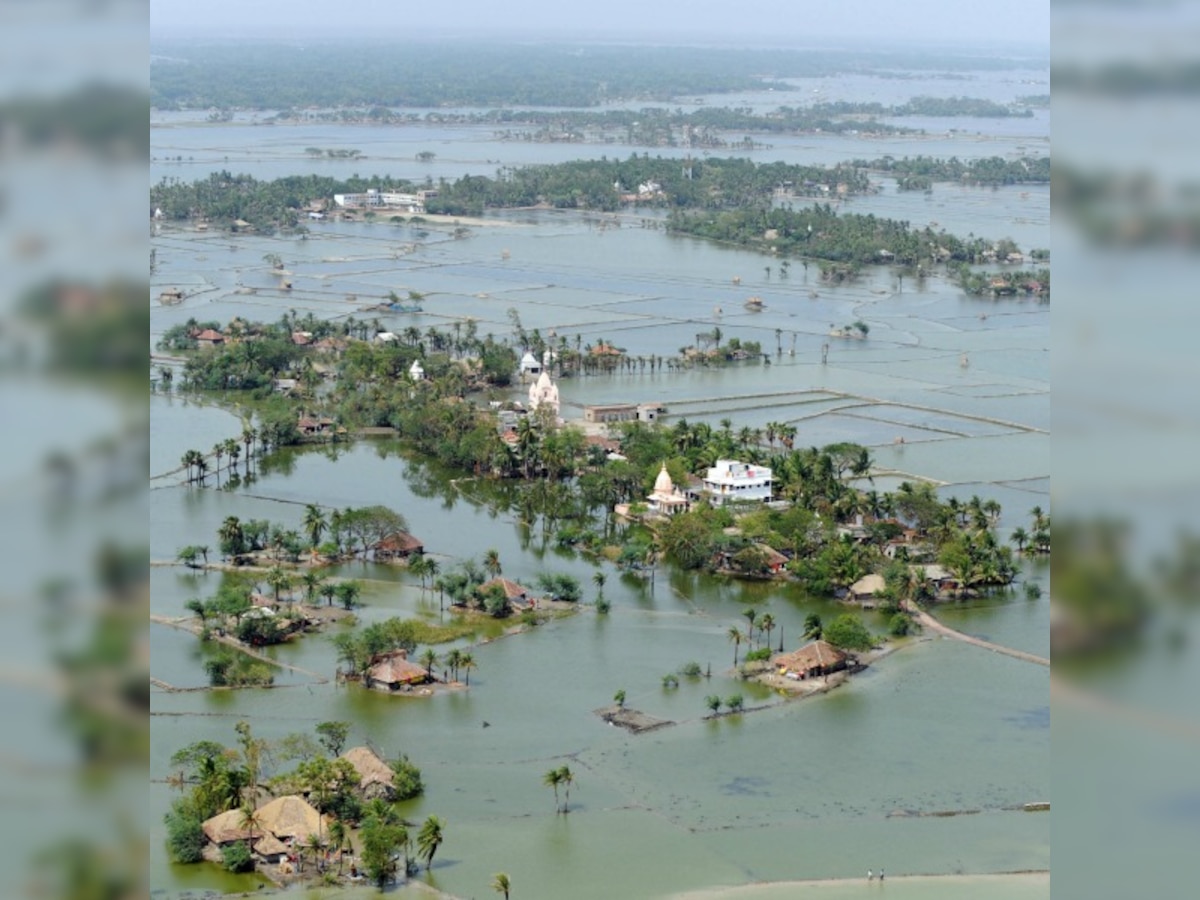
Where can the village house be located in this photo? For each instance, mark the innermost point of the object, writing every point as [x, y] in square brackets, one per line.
[516, 594]
[309, 426]
[623, 412]
[867, 587]
[730, 481]
[209, 338]
[393, 671]
[280, 828]
[813, 660]
[397, 545]
[376, 778]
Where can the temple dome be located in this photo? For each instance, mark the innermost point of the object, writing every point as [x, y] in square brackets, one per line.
[663, 484]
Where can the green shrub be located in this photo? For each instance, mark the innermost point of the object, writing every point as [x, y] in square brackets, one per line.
[236, 857]
[899, 625]
[691, 670]
[762, 654]
[407, 779]
[185, 837]
[1033, 591]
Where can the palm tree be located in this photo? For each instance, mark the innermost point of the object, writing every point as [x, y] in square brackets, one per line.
[466, 662]
[249, 820]
[501, 884]
[337, 839]
[429, 659]
[1039, 518]
[453, 661]
[248, 436]
[735, 635]
[315, 523]
[197, 606]
[491, 562]
[201, 468]
[1020, 537]
[312, 583]
[328, 590]
[598, 579]
[750, 616]
[766, 624]
[553, 779]
[314, 845]
[429, 839]
[813, 628]
[218, 452]
[278, 580]
[567, 778]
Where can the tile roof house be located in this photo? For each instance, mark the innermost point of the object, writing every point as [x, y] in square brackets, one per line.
[398, 545]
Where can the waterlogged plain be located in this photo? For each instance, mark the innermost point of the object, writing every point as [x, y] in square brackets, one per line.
[823, 788]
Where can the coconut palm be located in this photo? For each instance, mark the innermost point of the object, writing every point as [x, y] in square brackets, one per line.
[553, 779]
[429, 839]
[466, 662]
[598, 579]
[315, 523]
[337, 840]
[328, 590]
[766, 624]
[813, 628]
[1020, 537]
[750, 615]
[248, 819]
[501, 884]
[453, 662]
[218, 452]
[566, 778]
[312, 583]
[429, 659]
[736, 636]
[278, 580]
[491, 562]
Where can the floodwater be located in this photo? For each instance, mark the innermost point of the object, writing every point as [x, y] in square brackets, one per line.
[827, 787]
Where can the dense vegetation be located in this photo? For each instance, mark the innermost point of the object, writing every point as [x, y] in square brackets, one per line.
[408, 72]
[215, 779]
[992, 170]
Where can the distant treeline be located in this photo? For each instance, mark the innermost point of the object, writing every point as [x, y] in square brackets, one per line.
[818, 232]
[927, 106]
[408, 73]
[919, 172]
[586, 184]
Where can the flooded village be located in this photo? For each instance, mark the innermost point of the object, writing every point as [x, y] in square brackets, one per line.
[457, 515]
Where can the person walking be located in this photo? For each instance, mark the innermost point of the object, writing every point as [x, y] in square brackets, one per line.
[881, 874]
[870, 875]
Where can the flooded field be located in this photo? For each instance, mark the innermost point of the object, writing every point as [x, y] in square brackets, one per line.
[821, 788]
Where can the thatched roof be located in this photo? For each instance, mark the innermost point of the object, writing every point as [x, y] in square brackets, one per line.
[512, 590]
[292, 817]
[269, 845]
[816, 655]
[399, 542]
[868, 586]
[370, 768]
[396, 669]
[225, 827]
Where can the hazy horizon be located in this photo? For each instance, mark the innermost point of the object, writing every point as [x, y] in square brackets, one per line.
[1024, 24]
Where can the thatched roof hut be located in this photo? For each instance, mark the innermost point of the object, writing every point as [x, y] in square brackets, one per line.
[513, 592]
[375, 775]
[816, 658]
[226, 827]
[292, 818]
[867, 586]
[394, 671]
[269, 848]
[398, 544]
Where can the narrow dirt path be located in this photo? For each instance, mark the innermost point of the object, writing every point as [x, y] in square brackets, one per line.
[928, 621]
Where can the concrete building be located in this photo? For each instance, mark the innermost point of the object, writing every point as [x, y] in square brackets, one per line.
[374, 198]
[666, 499]
[543, 392]
[730, 481]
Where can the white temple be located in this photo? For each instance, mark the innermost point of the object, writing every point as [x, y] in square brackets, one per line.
[416, 372]
[543, 392]
[666, 499]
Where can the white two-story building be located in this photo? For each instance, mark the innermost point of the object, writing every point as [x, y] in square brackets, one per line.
[730, 481]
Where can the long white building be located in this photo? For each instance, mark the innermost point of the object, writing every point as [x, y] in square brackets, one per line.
[730, 481]
[413, 203]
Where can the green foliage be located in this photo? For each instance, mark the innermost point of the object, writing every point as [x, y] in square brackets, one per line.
[899, 625]
[670, 681]
[762, 654]
[185, 837]
[713, 702]
[407, 779]
[849, 633]
[813, 628]
[1033, 590]
[560, 586]
[691, 670]
[228, 669]
[236, 857]
[619, 698]
[603, 605]
[735, 703]
[259, 631]
[332, 736]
